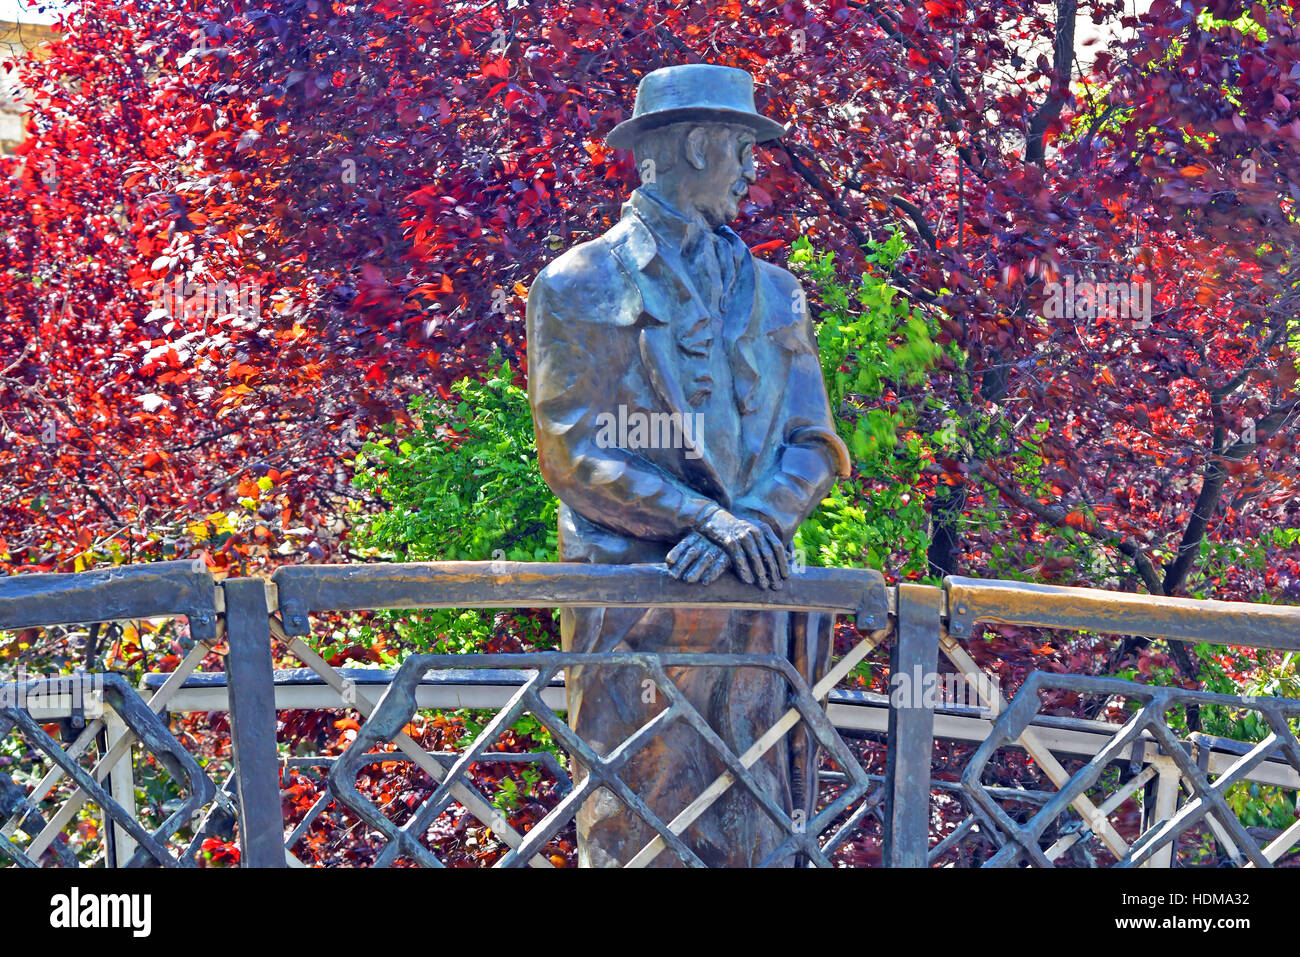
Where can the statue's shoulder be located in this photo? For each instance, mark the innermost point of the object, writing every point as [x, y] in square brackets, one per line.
[576, 264]
[775, 278]
[591, 280]
[780, 288]
[785, 318]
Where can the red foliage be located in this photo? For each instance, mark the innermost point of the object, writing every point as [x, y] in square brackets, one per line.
[388, 176]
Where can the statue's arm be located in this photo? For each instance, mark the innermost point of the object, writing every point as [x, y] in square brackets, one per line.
[578, 350]
[811, 455]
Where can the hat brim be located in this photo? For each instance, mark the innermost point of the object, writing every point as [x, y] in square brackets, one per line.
[624, 135]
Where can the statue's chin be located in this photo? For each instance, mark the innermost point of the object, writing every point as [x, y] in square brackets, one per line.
[721, 217]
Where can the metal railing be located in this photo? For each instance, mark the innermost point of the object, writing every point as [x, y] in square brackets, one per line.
[918, 622]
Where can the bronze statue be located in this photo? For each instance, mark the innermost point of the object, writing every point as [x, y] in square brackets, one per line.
[681, 418]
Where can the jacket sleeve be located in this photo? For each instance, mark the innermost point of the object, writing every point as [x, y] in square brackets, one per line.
[811, 454]
[582, 338]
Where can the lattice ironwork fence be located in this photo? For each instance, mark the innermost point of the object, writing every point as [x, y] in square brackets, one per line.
[1088, 769]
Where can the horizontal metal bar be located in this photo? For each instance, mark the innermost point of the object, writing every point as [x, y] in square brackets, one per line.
[848, 711]
[378, 678]
[323, 697]
[155, 589]
[1092, 609]
[304, 589]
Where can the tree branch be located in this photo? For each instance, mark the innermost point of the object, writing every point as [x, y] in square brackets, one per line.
[1063, 68]
[1058, 517]
[1214, 477]
[845, 216]
[918, 220]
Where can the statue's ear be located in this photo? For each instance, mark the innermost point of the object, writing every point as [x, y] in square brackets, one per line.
[697, 147]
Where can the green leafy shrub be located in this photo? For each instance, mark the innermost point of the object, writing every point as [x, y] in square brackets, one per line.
[463, 485]
[873, 346]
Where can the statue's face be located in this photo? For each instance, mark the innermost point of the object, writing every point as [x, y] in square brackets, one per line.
[722, 181]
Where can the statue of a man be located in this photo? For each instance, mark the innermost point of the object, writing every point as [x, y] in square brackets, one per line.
[682, 418]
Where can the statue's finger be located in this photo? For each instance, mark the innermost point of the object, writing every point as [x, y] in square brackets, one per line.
[703, 567]
[755, 559]
[698, 566]
[778, 549]
[719, 564]
[693, 553]
[680, 548]
[686, 558]
[741, 561]
[775, 578]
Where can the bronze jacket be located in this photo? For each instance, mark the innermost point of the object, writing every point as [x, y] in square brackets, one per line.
[600, 338]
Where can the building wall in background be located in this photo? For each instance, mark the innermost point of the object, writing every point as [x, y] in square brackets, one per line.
[15, 39]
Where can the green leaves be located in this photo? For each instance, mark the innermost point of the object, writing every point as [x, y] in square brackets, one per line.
[873, 345]
[462, 486]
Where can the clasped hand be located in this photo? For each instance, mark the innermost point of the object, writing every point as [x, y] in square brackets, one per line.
[722, 540]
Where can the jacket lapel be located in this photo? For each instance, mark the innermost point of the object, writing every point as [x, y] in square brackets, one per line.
[663, 289]
[741, 327]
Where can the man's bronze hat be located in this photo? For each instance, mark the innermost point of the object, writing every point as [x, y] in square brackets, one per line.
[693, 91]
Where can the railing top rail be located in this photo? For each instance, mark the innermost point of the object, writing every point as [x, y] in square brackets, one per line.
[1092, 609]
[303, 589]
[150, 590]
[182, 588]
